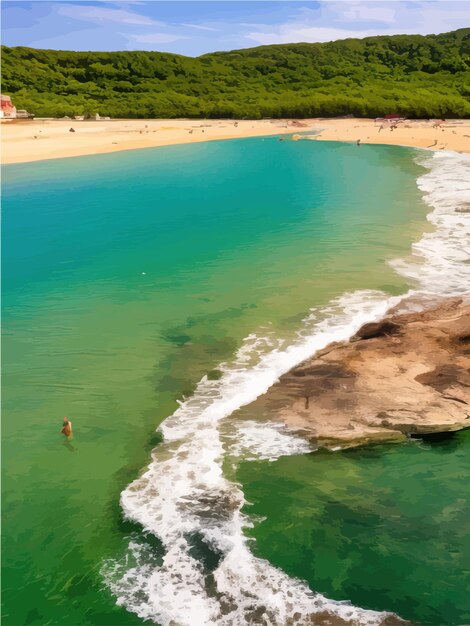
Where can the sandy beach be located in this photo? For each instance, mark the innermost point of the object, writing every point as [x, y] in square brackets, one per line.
[24, 140]
[433, 134]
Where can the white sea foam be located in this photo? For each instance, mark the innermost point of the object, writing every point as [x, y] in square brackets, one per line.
[184, 499]
[253, 440]
[440, 260]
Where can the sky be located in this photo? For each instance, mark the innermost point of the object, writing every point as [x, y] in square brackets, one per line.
[194, 27]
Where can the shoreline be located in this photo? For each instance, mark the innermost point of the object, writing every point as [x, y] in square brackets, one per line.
[433, 135]
[38, 140]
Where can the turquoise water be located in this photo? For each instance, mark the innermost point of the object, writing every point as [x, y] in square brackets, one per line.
[128, 277]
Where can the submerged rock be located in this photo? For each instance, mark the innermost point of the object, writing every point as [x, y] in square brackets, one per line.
[407, 374]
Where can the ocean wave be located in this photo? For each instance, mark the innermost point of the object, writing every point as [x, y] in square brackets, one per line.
[184, 499]
[254, 441]
[440, 260]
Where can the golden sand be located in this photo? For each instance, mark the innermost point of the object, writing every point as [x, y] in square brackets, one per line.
[434, 134]
[25, 140]
[36, 140]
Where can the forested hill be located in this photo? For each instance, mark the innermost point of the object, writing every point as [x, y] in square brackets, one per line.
[418, 76]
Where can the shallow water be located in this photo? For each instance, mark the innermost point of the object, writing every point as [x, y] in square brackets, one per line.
[127, 278]
[385, 526]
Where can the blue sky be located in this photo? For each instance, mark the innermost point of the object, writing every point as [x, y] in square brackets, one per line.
[194, 27]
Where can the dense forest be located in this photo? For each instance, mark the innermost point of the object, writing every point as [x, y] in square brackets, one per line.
[417, 76]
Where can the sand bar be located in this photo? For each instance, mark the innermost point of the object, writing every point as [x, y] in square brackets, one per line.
[24, 140]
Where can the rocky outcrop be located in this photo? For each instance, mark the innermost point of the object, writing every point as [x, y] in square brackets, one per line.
[404, 375]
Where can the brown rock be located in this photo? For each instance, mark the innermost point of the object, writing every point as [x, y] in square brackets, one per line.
[407, 374]
[376, 329]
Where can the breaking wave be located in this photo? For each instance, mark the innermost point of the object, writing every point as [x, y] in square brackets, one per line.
[184, 499]
[440, 260]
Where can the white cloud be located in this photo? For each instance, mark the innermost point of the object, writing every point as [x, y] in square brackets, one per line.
[368, 13]
[363, 18]
[156, 38]
[117, 24]
[200, 27]
[313, 34]
[101, 15]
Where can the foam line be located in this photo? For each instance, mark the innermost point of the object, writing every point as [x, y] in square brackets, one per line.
[184, 495]
[440, 260]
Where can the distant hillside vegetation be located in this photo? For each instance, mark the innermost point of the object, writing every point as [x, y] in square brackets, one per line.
[418, 76]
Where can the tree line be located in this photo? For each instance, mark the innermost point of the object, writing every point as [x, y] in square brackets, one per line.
[416, 76]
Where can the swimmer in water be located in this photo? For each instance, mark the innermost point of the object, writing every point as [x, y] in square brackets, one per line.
[67, 428]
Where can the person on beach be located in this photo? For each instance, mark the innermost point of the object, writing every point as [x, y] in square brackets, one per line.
[67, 428]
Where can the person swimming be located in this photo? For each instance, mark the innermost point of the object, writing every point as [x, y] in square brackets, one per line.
[66, 428]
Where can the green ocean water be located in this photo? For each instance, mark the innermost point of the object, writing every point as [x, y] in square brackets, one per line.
[126, 278]
[384, 526]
